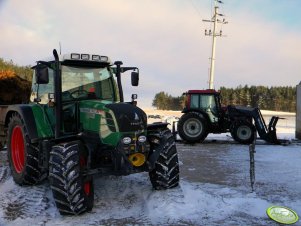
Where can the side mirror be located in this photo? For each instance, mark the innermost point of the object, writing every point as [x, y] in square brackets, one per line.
[135, 78]
[41, 72]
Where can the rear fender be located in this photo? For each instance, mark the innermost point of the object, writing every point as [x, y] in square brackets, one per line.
[201, 114]
[186, 110]
[34, 119]
[27, 116]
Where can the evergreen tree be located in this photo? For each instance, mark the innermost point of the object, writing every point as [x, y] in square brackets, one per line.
[273, 98]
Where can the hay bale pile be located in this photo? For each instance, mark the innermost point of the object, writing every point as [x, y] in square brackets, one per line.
[13, 89]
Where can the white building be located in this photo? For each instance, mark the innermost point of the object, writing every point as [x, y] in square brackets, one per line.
[298, 112]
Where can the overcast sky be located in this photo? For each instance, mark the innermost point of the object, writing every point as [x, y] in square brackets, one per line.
[164, 38]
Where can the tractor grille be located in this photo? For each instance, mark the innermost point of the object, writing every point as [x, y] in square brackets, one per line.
[129, 117]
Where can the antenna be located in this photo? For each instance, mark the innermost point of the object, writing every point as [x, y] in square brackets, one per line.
[214, 34]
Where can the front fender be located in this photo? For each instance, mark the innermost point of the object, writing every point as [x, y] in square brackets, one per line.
[157, 126]
[157, 142]
[154, 155]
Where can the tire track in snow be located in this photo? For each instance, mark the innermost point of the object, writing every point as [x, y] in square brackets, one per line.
[141, 220]
[20, 201]
[25, 202]
[170, 201]
[123, 195]
[4, 174]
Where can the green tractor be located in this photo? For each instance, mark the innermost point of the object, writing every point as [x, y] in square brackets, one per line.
[77, 125]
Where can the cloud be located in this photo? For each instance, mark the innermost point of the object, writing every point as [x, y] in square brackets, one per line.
[165, 39]
[259, 52]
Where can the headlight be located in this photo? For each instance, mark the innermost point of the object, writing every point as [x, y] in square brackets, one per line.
[142, 139]
[126, 140]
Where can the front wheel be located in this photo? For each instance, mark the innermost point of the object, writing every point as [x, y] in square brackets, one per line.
[192, 127]
[243, 132]
[166, 172]
[72, 191]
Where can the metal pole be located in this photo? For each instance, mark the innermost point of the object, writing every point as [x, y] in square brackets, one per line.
[214, 20]
[211, 85]
[252, 161]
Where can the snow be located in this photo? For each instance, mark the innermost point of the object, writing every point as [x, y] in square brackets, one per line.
[214, 189]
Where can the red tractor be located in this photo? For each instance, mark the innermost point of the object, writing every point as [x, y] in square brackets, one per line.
[203, 114]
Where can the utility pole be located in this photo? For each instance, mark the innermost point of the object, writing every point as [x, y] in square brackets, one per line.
[214, 34]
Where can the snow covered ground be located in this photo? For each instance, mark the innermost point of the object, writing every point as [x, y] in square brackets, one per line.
[214, 189]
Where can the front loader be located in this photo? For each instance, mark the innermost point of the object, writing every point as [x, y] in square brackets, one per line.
[77, 125]
[238, 114]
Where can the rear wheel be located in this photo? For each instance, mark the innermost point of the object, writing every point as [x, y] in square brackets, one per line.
[192, 127]
[22, 156]
[166, 172]
[243, 132]
[72, 191]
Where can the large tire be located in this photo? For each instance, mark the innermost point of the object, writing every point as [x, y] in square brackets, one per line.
[72, 191]
[166, 172]
[192, 127]
[22, 155]
[243, 132]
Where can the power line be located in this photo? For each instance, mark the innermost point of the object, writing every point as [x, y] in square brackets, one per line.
[195, 7]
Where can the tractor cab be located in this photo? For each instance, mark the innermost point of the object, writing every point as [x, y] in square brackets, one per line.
[206, 101]
[79, 89]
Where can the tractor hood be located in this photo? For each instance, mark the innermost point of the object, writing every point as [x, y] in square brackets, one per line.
[112, 120]
[129, 117]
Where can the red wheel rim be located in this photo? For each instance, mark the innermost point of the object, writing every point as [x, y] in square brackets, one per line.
[87, 184]
[87, 188]
[17, 149]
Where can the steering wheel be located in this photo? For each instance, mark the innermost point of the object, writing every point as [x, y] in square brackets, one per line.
[79, 93]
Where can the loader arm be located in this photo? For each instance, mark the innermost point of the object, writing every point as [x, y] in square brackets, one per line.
[266, 133]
